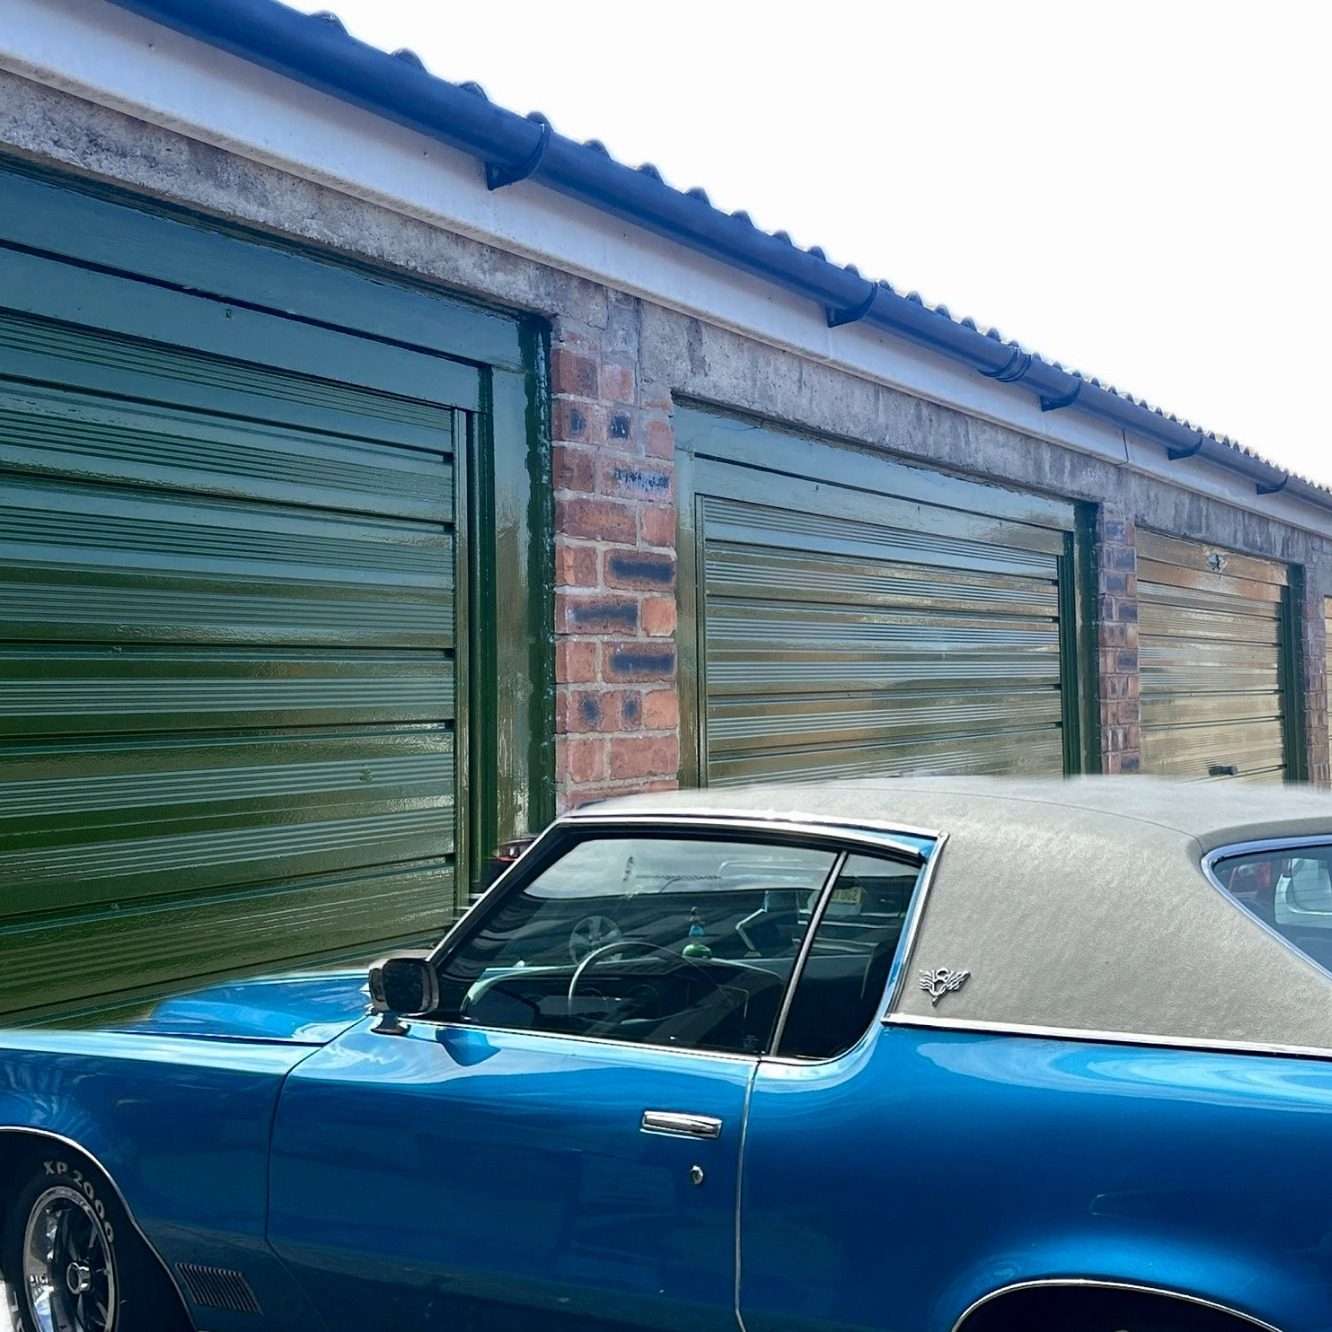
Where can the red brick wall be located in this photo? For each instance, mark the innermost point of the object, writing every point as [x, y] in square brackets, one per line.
[617, 705]
[1117, 642]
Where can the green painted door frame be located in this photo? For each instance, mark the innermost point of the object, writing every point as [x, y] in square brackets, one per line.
[142, 322]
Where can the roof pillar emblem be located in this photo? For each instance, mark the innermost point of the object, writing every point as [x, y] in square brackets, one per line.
[941, 982]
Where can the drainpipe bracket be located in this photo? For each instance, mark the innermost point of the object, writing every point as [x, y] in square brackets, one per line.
[497, 176]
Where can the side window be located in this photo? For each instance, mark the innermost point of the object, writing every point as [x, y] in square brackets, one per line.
[1289, 889]
[684, 941]
[841, 988]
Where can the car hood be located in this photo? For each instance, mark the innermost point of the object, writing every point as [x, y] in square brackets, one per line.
[308, 1008]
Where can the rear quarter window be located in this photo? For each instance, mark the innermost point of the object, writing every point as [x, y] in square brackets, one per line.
[1289, 889]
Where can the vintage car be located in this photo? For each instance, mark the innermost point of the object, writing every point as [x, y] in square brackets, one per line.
[911, 1055]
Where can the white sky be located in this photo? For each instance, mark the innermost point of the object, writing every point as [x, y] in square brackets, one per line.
[1138, 190]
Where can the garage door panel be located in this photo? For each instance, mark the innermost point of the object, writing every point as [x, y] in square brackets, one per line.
[1197, 708]
[110, 609]
[730, 675]
[736, 622]
[1207, 629]
[1213, 629]
[125, 690]
[836, 534]
[844, 632]
[1252, 747]
[1237, 659]
[750, 723]
[81, 437]
[219, 852]
[45, 523]
[159, 942]
[38, 353]
[229, 334]
[772, 575]
[1197, 557]
[1196, 588]
[276, 774]
[984, 755]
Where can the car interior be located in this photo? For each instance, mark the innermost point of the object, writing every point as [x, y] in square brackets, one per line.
[704, 966]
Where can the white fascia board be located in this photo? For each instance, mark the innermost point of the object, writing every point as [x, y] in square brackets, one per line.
[107, 55]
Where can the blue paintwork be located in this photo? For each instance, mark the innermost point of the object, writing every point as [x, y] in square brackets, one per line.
[461, 1177]
[891, 1188]
[505, 1168]
[308, 1008]
[182, 1127]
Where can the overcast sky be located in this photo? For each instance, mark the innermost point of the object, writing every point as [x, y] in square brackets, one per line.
[1137, 190]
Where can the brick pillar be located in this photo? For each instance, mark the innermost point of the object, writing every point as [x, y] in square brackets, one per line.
[1117, 642]
[1313, 639]
[617, 706]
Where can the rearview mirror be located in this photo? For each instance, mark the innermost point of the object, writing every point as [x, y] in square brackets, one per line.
[405, 983]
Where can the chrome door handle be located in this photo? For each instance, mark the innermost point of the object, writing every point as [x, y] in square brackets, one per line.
[681, 1125]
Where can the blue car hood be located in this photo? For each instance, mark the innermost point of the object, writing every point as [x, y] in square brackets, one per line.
[309, 1008]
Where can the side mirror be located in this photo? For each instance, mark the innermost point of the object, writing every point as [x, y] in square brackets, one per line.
[404, 984]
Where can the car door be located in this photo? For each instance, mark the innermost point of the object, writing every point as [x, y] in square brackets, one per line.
[560, 1145]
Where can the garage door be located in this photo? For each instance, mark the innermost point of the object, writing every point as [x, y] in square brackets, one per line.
[228, 660]
[1212, 655]
[857, 617]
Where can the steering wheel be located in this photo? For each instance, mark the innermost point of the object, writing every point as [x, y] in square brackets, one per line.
[620, 945]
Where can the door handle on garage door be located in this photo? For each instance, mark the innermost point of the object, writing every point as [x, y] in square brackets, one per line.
[681, 1125]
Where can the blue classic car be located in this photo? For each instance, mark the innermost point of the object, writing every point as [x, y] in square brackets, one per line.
[901, 1055]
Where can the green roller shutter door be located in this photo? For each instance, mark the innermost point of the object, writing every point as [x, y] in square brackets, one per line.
[845, 627]
[228, 662]
[1213, 657]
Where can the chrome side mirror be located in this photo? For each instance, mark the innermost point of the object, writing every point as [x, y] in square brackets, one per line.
[405, 984]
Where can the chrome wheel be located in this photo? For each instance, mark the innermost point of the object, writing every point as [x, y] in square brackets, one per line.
[69, 1273]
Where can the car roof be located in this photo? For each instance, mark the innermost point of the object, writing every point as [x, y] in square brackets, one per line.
[1079, 908]
[1005, 809]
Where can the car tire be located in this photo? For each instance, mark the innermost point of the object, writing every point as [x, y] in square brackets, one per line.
[72, 1259]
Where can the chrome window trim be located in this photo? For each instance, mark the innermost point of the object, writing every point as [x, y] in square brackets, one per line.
[1095, 1283]
[1214, 858]
[1203, 1044]
[803, 952]
[51, 1136]
[863, 832]
[906, 945]
[601, 1042]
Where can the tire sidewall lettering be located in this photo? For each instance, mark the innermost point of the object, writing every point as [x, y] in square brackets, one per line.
[64, 1171]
